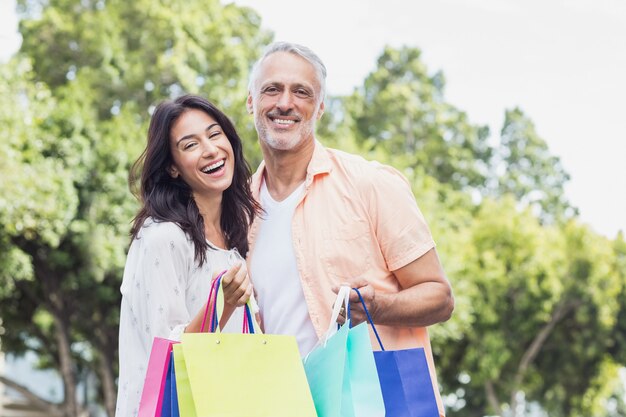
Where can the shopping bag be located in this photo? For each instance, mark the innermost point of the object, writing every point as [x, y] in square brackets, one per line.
[173, 391]
[151, 402]
[170, 397]
[341, 371]
[186, 405]
[245, 375]
[404, 379]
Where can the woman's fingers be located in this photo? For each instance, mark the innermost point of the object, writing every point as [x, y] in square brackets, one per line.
[236, 285]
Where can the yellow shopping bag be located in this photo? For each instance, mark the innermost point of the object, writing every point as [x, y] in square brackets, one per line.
[186, 406]
[245, 375]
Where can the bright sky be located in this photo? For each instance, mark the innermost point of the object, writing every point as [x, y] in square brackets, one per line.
[561, 61]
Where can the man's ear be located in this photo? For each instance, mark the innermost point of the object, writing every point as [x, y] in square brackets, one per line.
[320, 111]
[249, 104]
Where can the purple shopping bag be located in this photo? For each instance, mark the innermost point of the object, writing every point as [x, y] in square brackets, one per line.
[151, 402]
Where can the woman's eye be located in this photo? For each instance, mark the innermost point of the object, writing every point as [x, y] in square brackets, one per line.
[214, 134]
[189, 145]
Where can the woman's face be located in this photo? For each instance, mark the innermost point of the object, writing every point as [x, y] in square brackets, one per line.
[202, 154]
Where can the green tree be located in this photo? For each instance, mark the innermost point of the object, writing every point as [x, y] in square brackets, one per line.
[401, 107]
[544, 307]
[525, 168]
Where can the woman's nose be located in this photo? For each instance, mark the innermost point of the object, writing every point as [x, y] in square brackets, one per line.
[208, 147]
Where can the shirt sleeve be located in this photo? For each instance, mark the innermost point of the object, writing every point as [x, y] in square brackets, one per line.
[159, 264]
[401, 230]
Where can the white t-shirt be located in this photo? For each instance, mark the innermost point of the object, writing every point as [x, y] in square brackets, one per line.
[274, 272]
[162, 290]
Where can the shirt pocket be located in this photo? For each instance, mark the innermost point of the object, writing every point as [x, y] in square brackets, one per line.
[346, 253]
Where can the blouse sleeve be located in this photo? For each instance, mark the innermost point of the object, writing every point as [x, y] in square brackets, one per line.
[159, 265]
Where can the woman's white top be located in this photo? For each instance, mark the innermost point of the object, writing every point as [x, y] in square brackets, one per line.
[162, 290]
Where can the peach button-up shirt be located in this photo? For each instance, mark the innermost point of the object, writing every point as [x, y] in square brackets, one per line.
[356, 218]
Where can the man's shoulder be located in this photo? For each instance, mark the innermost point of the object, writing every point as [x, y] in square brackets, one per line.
[356, 166]
[351, 161]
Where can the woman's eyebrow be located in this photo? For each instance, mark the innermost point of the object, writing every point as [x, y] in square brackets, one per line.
[209, 127]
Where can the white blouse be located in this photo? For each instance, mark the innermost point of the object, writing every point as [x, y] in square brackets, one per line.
[162, 290]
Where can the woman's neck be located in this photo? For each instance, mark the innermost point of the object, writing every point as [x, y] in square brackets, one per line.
[211, 212]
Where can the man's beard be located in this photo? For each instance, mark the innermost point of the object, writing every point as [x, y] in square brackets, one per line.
[292, 139]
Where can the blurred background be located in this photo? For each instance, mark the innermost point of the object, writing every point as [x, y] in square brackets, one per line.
[507, 117]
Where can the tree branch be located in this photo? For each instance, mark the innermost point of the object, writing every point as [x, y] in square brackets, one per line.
[535, 347]
[492, 398]
[51, 408]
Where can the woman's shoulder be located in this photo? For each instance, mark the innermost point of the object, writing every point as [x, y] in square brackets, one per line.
[158, 231]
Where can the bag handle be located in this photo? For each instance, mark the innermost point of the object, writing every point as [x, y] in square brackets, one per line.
[209, 301]
[369, 318]
[342, 300]
[215, 304]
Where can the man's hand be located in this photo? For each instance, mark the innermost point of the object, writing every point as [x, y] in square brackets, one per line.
[424, 297]
[357, 312]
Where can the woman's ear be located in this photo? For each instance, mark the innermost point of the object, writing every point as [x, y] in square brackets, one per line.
[173, 172]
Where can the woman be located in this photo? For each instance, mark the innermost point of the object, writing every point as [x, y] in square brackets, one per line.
[193, 223]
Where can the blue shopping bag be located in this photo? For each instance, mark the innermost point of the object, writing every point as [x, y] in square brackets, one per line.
[341, 371]
[170, 396]
[404, 379]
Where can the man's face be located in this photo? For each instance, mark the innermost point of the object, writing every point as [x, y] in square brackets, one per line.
[286, 101]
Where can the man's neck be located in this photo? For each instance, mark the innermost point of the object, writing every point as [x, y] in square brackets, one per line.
[286, 170]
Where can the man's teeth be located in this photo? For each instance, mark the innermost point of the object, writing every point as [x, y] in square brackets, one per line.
[213, 167]
[284, 122]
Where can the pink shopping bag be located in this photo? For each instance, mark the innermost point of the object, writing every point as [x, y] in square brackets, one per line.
[154, 385]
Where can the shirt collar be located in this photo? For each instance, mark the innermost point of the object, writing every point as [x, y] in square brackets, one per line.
[320, 163]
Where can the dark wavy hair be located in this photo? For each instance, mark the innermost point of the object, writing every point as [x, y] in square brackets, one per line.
[169, 199]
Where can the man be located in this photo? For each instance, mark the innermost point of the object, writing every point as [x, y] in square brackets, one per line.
[332, 218]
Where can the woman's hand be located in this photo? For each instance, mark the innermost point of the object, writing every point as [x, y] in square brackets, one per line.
[236, 289]
[236, 285]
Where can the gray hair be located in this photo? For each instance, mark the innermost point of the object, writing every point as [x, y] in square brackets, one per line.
[292, 48]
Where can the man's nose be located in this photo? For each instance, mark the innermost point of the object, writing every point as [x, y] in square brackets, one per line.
[285, 101]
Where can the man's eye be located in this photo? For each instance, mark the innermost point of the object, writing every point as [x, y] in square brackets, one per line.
[302, 93]
[270, 90]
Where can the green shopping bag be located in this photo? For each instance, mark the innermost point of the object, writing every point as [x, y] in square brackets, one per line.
[186, 406]
[342, 372]
[244, 375]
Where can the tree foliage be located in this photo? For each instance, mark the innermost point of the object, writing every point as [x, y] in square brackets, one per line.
[401, 107]
[525, 168]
